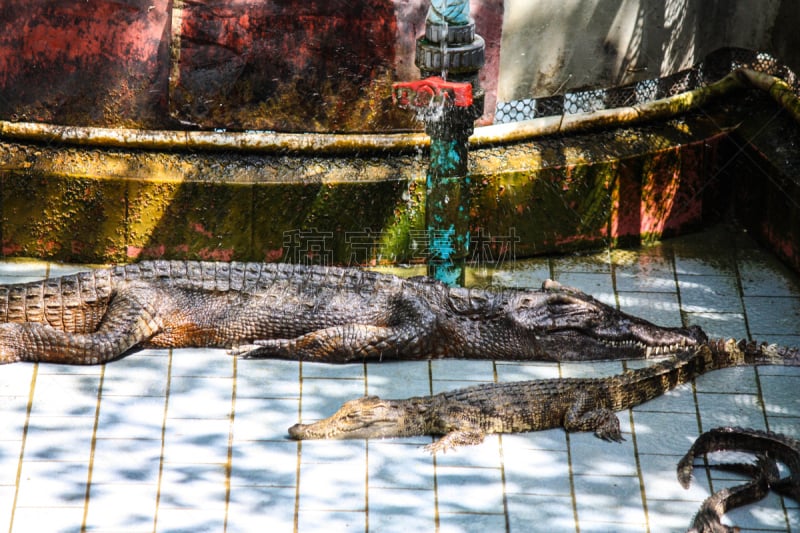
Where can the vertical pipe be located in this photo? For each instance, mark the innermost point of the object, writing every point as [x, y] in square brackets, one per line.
[447, 209]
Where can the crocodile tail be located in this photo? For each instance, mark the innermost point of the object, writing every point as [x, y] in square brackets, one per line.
[73, 303]
[730, 352]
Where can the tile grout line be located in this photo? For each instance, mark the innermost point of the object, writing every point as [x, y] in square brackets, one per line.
[437, 523]
[93, 447]
[506, 516]
[163, 441]
[229, 458]
[763, 405]
[296, 511]
[28, 410]
[366, 459]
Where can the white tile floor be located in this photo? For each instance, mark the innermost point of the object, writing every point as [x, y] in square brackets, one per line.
[193, 440]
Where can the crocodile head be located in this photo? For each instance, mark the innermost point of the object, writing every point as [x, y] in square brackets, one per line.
[571, 325]
[367, 417]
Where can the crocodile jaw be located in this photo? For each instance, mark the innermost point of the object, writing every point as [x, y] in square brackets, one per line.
[581, 345]
[571, 325]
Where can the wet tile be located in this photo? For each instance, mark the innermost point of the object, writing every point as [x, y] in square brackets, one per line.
[678, 400]
[15, 380]
[59, 438]
[13, 413]
[394, 465]
[401, 510]
[687, 265]
[762, 275]
[661, 481]
[589, 263]
[338, 485]
[6, 505]
[780, 394]
[141, 465]
[459, 522]
[399, 380]
[710, 294]
[9, 461]
[772, 316]
[264, 464]
[592, 370]
[529, 512]
[196, 441]
[264, 418]
[322, 397]
[669, 433]
[737, 380]
[144, 373]
[131, 417]
[201, 362]
[648, 272]
[535, 472]
[658, 307]
[730, 410]
[121, 507]
[470, 490]
[330, 371]
[258, 378]
[65, 395]
[201, 398]
[260, 509]
[525, 371]
[195, 518]
[331, 520]
[461, 370]
[594, 456]
[530, 274]
[330, 451]
[52, 484]
[56, 519]
[600, 286]
[192, 486]
[719, 325]
[604, 499]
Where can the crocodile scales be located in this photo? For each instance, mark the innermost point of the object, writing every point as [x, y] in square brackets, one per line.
[465, 416]
[769, 448]
[311, 313]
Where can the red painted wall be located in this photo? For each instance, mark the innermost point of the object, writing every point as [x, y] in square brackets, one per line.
[285, 65]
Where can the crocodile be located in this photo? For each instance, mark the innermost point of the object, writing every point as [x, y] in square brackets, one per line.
[769, 447]
[312, 313]
[464, 416]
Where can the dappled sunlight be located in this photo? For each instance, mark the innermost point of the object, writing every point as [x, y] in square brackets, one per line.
[192, 438]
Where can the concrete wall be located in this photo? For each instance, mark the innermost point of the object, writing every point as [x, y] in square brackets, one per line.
[550, 46]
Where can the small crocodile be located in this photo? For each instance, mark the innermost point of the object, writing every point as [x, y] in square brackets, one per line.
[465, 416]
[771, 446]
[334, 315]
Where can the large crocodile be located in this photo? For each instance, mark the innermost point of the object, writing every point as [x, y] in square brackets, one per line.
[311, 313]
[768, 446]
[465, 416]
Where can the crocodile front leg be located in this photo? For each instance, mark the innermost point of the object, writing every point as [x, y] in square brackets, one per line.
[342, 344]
[127, 322]
[405, 331]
